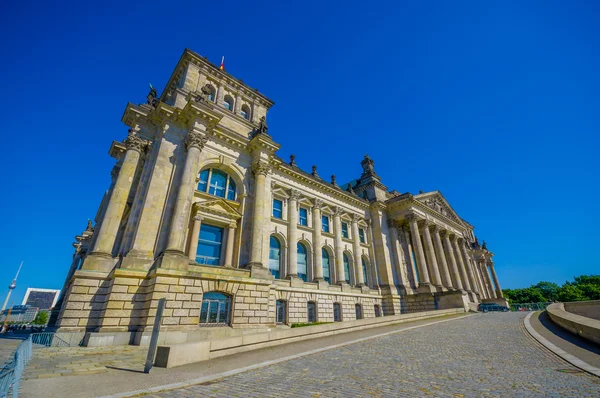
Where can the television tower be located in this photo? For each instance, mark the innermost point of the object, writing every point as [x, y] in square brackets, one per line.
[11, 287]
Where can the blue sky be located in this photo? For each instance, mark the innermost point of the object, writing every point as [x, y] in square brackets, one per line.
[495, 104]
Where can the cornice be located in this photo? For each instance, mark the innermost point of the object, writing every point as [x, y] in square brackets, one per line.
[305, 178]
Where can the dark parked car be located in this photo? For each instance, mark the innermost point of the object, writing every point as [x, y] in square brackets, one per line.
[488, 307]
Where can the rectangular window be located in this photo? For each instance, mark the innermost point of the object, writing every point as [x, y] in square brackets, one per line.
[303, 217]
[209, 245]
[325, 223]
[277, 208]
[345, 230]
[361, 235]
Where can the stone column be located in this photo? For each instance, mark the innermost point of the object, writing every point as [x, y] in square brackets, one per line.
[486, 293]
[478, 277]
[293, 233]
[339, 248]
[410, 256]
[260, 174]
[100, 257]
[360, 279]
[461, 266]
[317, 259]
[420, 254]
[173, 255]
[436, 279]
[453, 266]
[442, 258]
[468, 268]
[193, 249]
[372, 266]
[230, 244]
[398, 255]
[487, 279]
[238, 104]
[496, 282]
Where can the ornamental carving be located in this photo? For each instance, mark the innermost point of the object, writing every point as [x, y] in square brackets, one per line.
[318, 204]
[261, 168]
[436, 203]
[195, 139]
[412, 217]
[355, 218]
[294, 194]
[135, 143]
[337, 211]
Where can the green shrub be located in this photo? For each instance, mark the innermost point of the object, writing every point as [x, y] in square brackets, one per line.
[299, 325]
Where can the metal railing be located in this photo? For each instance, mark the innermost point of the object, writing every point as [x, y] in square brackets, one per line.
[11, 374]
[48, 339]
[529, 306]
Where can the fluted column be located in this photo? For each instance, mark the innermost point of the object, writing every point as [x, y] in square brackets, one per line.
[496, 282]
[230, 244]
[339, 248]
[453, 265]
[194, 143]
[317, 245]
[436, 279]
[461, 265]
[100, 257]
[445, 272]
[486, 279]
[470, 274]
[416, 238]
[260, 175]
[293, 233]
[360, 279]
[193, 249]
[413, 266]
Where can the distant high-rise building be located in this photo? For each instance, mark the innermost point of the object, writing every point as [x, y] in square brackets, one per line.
[44, 299]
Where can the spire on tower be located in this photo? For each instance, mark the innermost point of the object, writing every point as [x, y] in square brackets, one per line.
[11, 287]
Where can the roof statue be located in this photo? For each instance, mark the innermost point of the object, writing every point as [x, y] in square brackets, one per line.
[89, 227]
[314, 171]
[293, 160]
[152, 97]
[262, 128]
[204, 93]
[333, 180]
[484, 245]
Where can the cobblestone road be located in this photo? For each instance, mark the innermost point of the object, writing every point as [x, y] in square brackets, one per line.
[485, 355]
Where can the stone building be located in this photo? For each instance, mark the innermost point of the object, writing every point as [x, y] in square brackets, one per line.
[201, 211]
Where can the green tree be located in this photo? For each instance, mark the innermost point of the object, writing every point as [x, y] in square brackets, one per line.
[526, 295]
[41, 318]
[548, 289]
[587, 280]
[570, 292]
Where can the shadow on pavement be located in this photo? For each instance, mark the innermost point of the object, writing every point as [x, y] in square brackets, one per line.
[124, 369]
[566, 335]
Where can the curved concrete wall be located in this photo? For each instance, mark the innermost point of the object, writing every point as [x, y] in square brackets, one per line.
[588, 309]
[587, 328]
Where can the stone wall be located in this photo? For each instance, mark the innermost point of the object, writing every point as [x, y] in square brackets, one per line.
[588, 309]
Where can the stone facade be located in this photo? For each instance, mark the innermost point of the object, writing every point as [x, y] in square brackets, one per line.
[200, 160]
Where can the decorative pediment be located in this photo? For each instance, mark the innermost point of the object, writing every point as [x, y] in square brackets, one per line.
[435, 201]
[218, 207]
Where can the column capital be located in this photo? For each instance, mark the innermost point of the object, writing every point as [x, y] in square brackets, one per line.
[195, 139]
[260, 168]
[198, 217]
[355, 218]
[337, 211]
[412, 217]
[318, 204]
[135, 143]
[295, 194]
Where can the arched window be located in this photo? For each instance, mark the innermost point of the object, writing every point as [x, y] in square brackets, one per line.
[377, 311]
[358, 309]
[245, 112]
[302, 266]
[325, 258]
[211, 95]
[311, 311]
[346, 269]
[281, 311]
[275, 257]
[215, 310]
[218, 183]
[228, 103]
[337, 312]
[364, 271]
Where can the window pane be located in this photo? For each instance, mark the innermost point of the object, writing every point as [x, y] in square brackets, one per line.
[361, 235]
[302, 262]
[274, 257]
[228, 104]
[244, 114]
[346, 269]
[215, 309]
[325, 223]
[218, 182]
[325, 257]
[280, 311]
[312, 312]
[209, 245]
[303, 217]
[336, 312]
[231, 190]
[203, 181]
[277, 208]
[364, 270]
[345, 230]
[358, 311]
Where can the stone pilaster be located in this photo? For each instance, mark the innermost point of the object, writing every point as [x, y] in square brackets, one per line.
[317, 244]
[399, 256]
[360, 280]
[339, 248]
[194, 236]
[470, 274]
[384, 268]
[100, 257]
[453, 266]
[174, 257]
[293, 233]
[230, 244]
[260, 174]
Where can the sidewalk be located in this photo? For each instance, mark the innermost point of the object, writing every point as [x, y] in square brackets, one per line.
[567, 341]
[129, 378]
